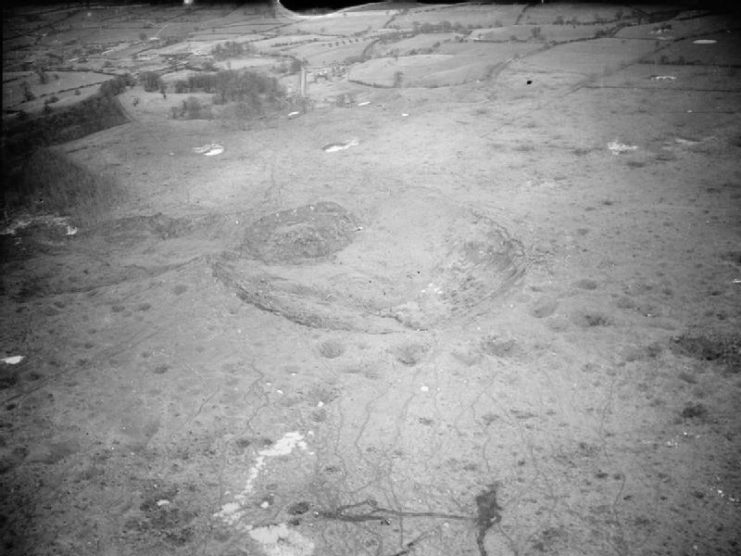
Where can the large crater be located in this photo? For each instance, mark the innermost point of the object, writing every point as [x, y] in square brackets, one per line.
[419, 262]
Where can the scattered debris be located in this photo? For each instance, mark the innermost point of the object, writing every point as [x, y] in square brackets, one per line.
[216, 149]
[691, 142]
[203, 149]
[13, 359]
[619, 148]
[47, 220]
[211, 149]
[688, 142]
[334, 147]
[279, 540]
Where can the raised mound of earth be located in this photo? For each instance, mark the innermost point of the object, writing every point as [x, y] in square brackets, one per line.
[419, 263]
[303, 234]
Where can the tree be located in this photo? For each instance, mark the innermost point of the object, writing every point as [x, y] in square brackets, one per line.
[27, 93]
[151, 81]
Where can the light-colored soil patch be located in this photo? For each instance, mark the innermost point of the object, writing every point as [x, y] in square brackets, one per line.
[449, 67]
[424, 70]
[604, 56]
[329, 52]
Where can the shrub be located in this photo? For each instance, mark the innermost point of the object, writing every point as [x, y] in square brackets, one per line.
[343, 100]
[231, 49]
[193, 109]
[300, 104]
[242, 111]
[115, 86]
[247, 86]
[150, 80]
[181, 86]
[357, 59]
[27, 93]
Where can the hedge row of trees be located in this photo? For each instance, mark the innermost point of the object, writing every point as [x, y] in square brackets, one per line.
[233, 86]
[231, 49]
[442, 27]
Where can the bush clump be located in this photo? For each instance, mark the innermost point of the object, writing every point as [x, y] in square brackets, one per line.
[151, 81]
[231, 49]
[257, 93]
[442, 27]
[191, 109]
[117, 85]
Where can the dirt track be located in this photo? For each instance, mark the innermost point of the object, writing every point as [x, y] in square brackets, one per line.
[510, 328]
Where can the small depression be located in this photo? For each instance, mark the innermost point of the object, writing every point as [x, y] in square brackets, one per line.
[418, 262]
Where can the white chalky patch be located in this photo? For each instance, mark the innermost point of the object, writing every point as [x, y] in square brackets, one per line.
[619, 148]
[232, 512]
[279, 540]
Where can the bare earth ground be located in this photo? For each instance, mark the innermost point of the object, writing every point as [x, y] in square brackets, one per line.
[481, 332]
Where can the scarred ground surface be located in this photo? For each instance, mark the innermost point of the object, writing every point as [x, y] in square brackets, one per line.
[496, 335]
